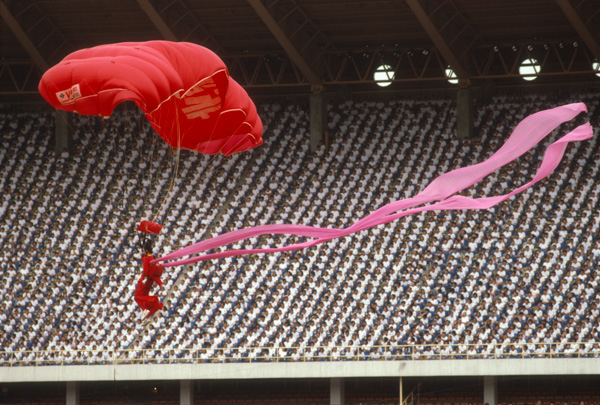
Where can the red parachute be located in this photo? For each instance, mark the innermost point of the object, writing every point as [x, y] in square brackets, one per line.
[184, 89]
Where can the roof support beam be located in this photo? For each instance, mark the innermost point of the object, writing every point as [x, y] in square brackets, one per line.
[23, 38]
[580, 27]
[157, 20]
[437, 39]
[284, 41]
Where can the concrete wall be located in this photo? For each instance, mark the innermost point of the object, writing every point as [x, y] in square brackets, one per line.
[425, 368]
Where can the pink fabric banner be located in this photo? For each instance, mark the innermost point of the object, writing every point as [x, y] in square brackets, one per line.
[526, 135]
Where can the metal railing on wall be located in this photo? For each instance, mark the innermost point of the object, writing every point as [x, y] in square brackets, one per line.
[301, 354]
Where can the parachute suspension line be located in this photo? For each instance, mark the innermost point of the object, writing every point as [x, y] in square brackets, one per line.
[113, 139]
[158, 189]
[147, 177]
[96, 140]
[62, 117]
[174, 168]
[160, 168]
[88, 146]
[117, 145]
[133, 140]
[91, 130]
[174, 164]
[175, 172]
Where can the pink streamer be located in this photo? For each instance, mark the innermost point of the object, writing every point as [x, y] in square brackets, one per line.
[526, 135]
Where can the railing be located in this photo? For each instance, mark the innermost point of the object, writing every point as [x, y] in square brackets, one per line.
[301, 354]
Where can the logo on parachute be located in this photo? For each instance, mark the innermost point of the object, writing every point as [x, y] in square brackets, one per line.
[69, 95]
[202, 100]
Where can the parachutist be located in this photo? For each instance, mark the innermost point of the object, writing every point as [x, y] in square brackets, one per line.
[150, 275]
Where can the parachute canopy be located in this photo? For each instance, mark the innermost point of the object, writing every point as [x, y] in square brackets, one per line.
[184, 89]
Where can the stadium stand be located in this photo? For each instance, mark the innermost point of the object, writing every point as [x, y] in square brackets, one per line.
[517, 280]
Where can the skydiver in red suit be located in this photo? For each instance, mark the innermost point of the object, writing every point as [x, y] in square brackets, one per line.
[150, 275]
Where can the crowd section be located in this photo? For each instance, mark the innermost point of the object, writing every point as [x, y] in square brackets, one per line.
[517, 279]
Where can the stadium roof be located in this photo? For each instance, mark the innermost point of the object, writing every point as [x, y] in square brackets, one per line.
[308, 45]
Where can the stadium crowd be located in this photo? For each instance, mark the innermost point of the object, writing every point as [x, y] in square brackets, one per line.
[516, 280]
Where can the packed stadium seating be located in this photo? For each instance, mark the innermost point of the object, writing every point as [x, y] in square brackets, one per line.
[516, 280]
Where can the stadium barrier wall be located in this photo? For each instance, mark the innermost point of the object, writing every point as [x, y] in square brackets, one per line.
[350, 369]
[191, 365]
